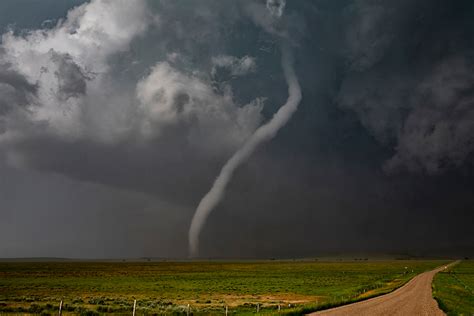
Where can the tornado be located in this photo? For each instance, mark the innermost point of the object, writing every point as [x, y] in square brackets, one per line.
[263, 134]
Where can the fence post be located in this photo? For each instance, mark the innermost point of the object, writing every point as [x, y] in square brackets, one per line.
[134, 307]
[226, 311]
[188, 310]
[258, 307]
[60, 308]
[279, 307]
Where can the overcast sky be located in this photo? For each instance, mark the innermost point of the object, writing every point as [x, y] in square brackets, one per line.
[117, 115]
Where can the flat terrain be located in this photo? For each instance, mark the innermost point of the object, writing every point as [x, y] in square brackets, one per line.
[167, 287]
[414, 298]
[454, 289]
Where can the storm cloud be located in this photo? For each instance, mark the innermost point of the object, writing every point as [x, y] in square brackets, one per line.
[421, 105]
[133, 106]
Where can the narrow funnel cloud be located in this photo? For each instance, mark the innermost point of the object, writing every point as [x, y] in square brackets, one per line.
[262, 134]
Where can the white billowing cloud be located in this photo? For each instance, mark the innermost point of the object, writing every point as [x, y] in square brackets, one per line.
[71, 58]
[78, 97]
[236, 66]
[170, 97]
[90, 34]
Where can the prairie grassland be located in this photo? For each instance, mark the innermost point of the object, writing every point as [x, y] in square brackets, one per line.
[168, 287]
[454, 289]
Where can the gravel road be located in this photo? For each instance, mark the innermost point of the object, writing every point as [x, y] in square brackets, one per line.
[414, 298]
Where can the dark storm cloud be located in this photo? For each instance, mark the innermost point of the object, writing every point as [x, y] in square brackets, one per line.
[410, 80]
[130, 108]
[15, 92]
[58, 216]
[72, 81]
[15, 89]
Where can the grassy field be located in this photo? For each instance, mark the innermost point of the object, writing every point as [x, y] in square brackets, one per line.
[167, 288]
[454, 289]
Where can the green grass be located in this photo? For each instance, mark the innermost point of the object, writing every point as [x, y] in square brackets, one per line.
[167, 287]
[454, 289]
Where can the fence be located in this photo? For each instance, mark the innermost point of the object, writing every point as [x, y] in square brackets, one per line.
[188, 310]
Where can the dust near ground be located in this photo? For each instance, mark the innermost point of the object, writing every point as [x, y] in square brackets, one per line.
[414, 298]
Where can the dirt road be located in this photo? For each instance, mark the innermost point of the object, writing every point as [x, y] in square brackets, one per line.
[414, 298]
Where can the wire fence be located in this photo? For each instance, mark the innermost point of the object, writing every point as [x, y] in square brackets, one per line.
[189, 309]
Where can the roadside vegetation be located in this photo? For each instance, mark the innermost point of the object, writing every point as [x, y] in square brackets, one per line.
[454, 289]
[92, 288]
